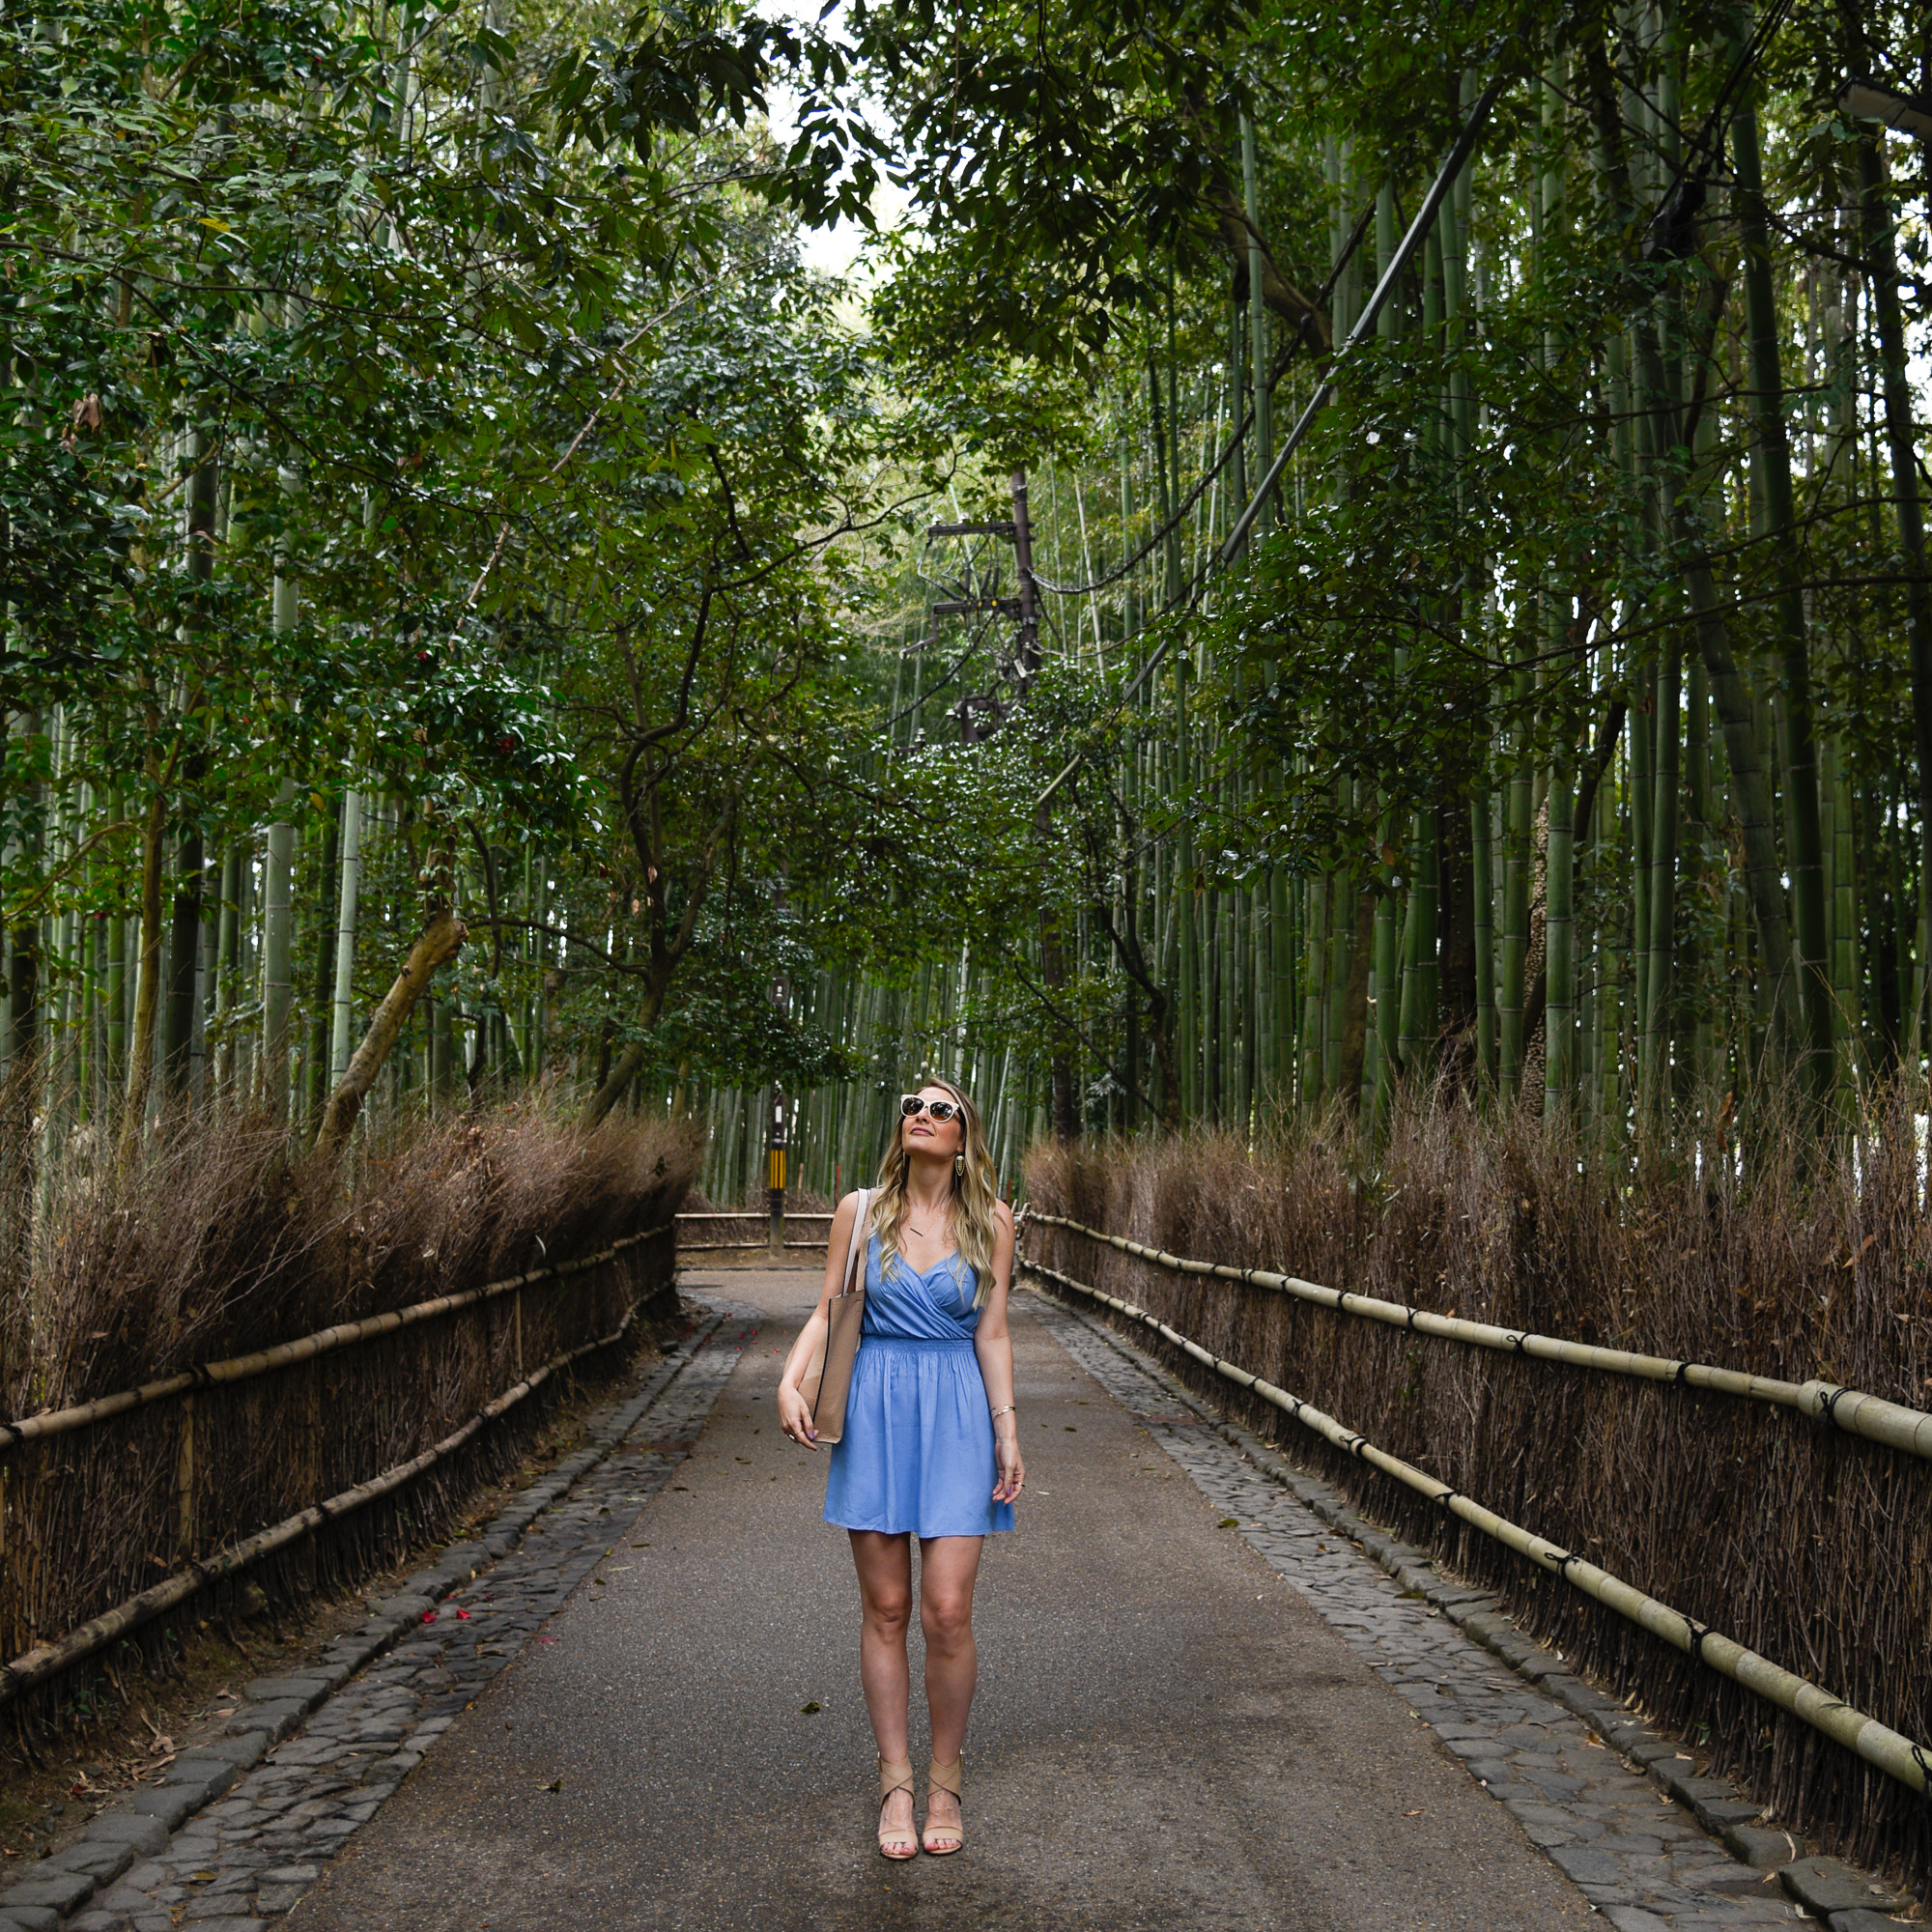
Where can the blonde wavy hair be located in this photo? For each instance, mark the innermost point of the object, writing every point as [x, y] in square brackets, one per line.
[975, 1195]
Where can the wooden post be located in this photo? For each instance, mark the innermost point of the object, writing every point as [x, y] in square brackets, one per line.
[184, 1481]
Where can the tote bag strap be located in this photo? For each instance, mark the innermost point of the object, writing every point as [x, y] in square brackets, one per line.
[857, 1245]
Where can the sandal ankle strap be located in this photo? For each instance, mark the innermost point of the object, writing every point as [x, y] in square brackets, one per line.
[948, 1776]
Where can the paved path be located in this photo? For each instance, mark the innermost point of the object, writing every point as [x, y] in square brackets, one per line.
[1200, 1709]
[1638, 1856]
[1166, 1737]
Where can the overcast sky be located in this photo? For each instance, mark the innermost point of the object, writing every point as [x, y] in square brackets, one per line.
[833, 251]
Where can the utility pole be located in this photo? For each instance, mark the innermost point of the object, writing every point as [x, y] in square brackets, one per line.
[1025, 608]
[1029, 640]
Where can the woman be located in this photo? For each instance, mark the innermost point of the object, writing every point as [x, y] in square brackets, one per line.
[932, 1444]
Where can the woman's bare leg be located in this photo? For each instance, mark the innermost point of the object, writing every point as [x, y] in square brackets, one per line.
[948, 1568]
[885, 1593]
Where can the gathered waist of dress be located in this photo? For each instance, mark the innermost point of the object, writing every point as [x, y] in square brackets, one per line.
[915, 1343]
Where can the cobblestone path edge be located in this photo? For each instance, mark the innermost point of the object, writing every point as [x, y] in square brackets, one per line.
[236, 1833]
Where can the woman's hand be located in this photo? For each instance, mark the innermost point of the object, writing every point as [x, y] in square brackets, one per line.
[794, 1418]
[1008, 1461]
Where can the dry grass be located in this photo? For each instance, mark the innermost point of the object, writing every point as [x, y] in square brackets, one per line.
[1812, 1547]
[224, 1241]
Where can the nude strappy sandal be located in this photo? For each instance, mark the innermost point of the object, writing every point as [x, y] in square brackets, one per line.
[945, 1778]
[896, 1777]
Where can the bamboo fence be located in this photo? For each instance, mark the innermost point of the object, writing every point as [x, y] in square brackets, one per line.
[48, 1660]
[1852, 1410]
[176, 1474]
[695, 1220]
[1898, 1756]
[1746, 1504]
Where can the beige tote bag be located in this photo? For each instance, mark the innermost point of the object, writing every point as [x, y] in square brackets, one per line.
[828, 1377]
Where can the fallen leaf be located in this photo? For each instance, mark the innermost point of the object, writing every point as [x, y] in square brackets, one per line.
[1228, 1523]
[555, 1784]
[1411, 1814]
[808, 1710]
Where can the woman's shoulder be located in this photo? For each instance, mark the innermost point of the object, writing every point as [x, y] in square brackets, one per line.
[847, 1209]
[1003, 1217]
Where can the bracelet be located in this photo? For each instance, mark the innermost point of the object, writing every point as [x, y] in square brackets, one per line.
[997, 1412]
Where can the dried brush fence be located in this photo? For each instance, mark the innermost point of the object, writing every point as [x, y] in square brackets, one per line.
[227, 1370]
[1752, 1514]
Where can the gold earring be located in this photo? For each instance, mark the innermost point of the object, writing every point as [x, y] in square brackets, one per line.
[959, 1167]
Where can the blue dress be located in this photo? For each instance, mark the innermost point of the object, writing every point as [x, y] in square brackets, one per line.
[918, 1450]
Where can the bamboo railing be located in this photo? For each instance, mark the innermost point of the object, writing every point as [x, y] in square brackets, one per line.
[285, 1355]
[1851, 1410]
[758, 1217]
[48, 1660]
[1896, 1755]
[44, 1660]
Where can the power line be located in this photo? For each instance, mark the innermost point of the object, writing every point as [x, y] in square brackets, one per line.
[1233, 443]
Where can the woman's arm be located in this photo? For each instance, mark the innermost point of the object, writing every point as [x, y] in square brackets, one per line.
[994, 1347]
[794, 1418]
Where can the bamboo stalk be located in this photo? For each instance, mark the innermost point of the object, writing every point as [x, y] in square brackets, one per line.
[1849, 1410]
[285, 1355]
[1893, 1753]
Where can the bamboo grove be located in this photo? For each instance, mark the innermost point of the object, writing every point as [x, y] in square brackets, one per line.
[405, 569]
[476, 617]
[1555, 739]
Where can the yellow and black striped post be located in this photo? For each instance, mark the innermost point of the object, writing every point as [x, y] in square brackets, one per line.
[774, 1178]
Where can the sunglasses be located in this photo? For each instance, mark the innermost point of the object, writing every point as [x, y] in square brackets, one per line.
[912, 1106]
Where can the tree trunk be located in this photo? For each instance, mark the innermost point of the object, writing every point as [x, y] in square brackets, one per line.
[1482, 929]
[23, 978]
[1053, 974]
[184, 960]
[116, 992]
[1514, 963]
[1773, 457]
[1186, 918]
[315, 1075]
[1751, 790]
[344, 933]
[1559, 941]
[147, 986]
[277, 958]
[1882, 278]
[624, 1069]
[1653, 1079]
[439, 943]
[1260, 364]
[227, 960]
[1352, 1033]
[1420, 1018]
